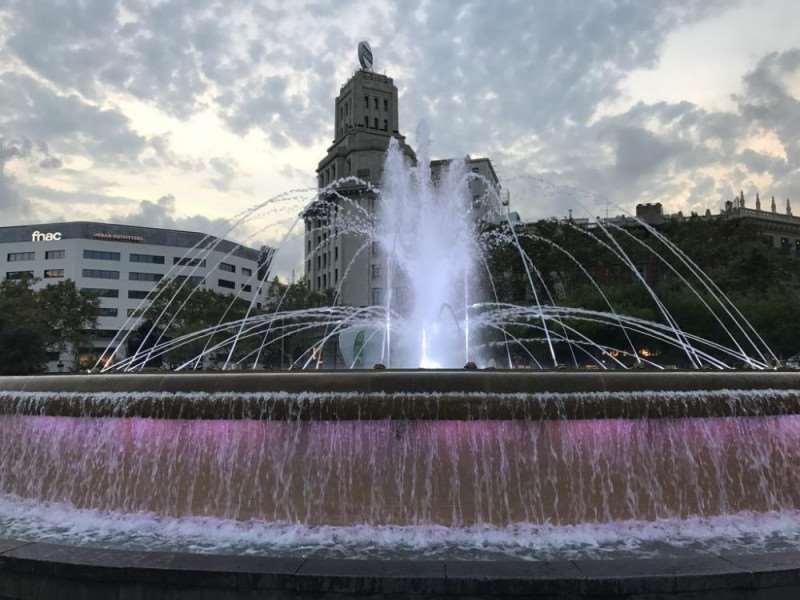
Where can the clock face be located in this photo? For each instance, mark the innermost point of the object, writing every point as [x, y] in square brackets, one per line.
[365, 55]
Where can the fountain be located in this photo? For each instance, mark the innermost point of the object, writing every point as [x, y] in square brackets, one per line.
[431, 480]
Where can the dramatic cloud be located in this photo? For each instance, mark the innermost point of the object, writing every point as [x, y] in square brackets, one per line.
[213, 105]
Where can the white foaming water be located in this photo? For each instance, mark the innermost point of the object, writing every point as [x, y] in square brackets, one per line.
[63, 524]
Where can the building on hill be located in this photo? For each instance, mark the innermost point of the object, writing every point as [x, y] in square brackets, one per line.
[780, 230]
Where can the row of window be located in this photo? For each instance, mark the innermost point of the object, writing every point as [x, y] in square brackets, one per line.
[153, 259]
[194, 280]
[376, 103]
[322, 280]
[375, 123]
[48, 274]
[344, 109]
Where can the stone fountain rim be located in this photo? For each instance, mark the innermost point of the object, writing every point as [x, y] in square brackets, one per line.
[405, 395]
[405, 380]
[53, 567]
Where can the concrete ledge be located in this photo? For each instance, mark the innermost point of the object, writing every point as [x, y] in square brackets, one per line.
[35, 570]
[442, 395]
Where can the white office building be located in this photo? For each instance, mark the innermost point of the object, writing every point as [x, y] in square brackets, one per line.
[122, 263]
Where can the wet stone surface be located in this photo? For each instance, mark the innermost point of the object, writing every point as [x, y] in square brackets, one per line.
[34, 570]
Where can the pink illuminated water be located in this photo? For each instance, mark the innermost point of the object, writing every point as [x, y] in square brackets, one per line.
[525, 488]
[367, 487]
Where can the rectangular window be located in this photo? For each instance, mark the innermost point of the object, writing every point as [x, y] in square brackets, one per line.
[376, 249]
[324, 280]
[152, 259]
[319, 282]
[376, 104]
[377, 296]
[100, 274]
[386, 124]
[376, 271]
[194, 280]
[53, 273]
[19, 275]
[246, 287]
[366, 102]
[133, 276]
[137, 294]
[385, 104]
[20, 256]
[336, 253]
[227, 267]
[366, 121]
[376, 122]
[131, 312]
[189, 262]
[224, 283]
[105, 311]
[335, 276]
[100, 255]
[247, 272]
[102, 292]
[54, 254]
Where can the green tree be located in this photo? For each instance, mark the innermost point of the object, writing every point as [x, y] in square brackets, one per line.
[22, 350]
[57, 317]
[187, 310]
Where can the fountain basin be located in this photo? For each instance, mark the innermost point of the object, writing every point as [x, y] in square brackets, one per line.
[37, 570]
[396, 481]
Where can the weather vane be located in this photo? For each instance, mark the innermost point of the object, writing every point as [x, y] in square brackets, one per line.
[365, 55]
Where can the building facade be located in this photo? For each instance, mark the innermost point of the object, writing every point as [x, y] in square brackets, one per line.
[120, 264]
[366, 118]
[780, 229]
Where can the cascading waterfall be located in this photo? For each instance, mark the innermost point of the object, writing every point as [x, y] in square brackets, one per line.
[444, 487]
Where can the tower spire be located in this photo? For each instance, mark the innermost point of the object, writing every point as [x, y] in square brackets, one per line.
[758, 202]
[774, 207]
[788, 207]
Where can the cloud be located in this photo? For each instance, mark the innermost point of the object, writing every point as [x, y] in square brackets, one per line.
[534, 85]
[163, 213]
[224, 172]
[66, 123]
[13, 206]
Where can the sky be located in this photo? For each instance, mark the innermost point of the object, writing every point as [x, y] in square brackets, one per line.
[185, 113]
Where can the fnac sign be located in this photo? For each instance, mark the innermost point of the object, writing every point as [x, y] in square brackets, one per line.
[40, 236]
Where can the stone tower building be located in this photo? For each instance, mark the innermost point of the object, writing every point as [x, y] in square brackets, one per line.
[366, 118]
